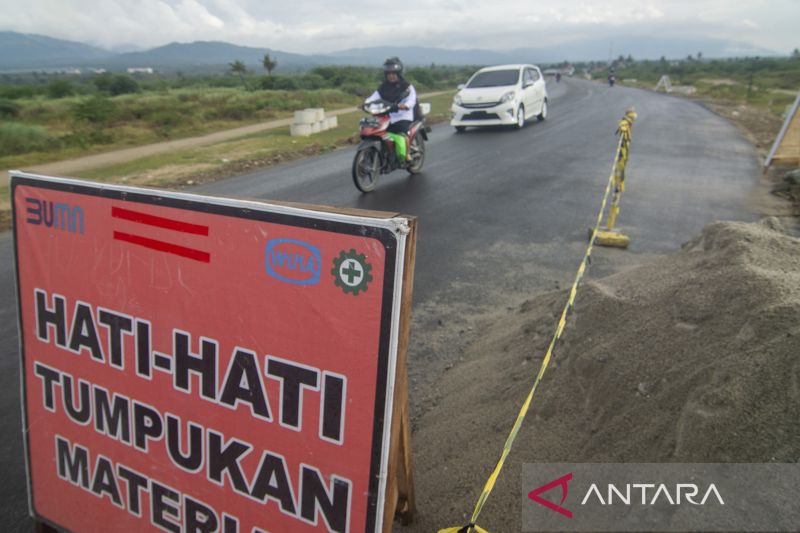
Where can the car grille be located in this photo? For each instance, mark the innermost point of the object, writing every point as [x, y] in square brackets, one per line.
[480, 115]
[479, 105]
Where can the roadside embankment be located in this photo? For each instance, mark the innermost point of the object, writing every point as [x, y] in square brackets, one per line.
[694, 357]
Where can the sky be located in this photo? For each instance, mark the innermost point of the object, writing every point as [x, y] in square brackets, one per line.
[319, 26]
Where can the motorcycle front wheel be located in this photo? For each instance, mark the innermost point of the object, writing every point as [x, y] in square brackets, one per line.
[366, 169]
[417, 150]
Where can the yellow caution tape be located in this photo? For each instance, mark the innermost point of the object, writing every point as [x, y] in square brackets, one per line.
[624, 131]
[464, 529]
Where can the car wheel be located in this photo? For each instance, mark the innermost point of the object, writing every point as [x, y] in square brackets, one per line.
[461, 129]
[520, 117]
[543, 115]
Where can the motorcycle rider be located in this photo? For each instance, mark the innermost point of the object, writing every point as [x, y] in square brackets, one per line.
[398, 91]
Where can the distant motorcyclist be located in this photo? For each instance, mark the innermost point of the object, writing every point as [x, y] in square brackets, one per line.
[398, 91]
[558, 77]
[612, 77]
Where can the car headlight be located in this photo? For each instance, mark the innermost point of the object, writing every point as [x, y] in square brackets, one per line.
[457, 99]
[507, 97]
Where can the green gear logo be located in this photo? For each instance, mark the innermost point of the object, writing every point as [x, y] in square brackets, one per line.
[351, 272]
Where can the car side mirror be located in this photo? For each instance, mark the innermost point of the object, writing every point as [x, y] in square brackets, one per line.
[461, 86]
[527, 84]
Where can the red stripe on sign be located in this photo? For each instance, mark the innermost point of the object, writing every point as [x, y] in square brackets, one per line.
[161, 222]
[161, 246]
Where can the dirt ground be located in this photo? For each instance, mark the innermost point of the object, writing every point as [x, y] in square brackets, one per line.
[762, 129]
[692, 357]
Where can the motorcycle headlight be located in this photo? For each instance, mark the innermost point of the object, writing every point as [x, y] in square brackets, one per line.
[457, 99]
[507, 97]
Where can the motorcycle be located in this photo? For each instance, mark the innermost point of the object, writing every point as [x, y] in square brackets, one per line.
[375, 154]
[611, 80]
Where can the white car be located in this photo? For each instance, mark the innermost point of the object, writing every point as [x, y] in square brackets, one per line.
[505, 94]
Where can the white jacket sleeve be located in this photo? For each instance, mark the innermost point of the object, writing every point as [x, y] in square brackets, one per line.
[410, 101]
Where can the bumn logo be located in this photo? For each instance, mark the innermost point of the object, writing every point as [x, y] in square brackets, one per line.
[560, 482]
[59, 216]
[293, 261]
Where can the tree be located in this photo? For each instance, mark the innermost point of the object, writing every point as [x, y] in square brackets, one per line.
[122, 84]
[116, 84]
[269, 64]
[238, 67]
[60, 89]
[796, 53]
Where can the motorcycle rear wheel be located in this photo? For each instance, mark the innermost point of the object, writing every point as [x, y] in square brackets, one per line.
[417, 150]
[366, 169]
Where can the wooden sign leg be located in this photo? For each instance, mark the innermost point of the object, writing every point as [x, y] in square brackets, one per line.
[400, 483]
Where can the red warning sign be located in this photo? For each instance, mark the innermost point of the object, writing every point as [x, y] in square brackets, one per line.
[198, 364]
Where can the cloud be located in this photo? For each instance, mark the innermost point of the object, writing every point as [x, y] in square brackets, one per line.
[326, 25]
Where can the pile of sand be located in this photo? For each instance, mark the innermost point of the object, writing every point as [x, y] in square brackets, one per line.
[694, 358]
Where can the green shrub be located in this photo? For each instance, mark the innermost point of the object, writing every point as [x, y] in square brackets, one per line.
[122, 84]
[85, 138]
[60, 89]
[97, 110]
[186, 97]
[8, 108]
[279, 83]
[164, 122]
[116, 84]
[18, 139]
[357, 89]
[311, 82]
[16, 92]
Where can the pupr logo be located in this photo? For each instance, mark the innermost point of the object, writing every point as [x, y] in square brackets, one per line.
[293, 261]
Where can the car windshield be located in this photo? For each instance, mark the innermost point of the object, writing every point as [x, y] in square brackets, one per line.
[494, 78]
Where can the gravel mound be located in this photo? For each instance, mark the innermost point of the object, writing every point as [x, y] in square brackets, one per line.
[693, 358]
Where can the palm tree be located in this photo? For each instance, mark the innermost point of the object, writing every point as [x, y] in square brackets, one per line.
[269, 64]
[238, 67]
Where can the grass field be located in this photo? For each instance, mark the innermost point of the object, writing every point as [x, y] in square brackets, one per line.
[257, 150]
[44, 130]
[187, 167]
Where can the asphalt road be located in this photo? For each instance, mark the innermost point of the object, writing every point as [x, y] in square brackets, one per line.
[502, 214]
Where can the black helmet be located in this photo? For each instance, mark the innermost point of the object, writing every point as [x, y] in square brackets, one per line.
[393, 64]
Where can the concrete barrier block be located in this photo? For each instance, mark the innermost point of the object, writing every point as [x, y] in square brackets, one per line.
[319, 113]
[300, 130]
[425, 108]
[315, 127]
[323, 125]
[305, 116]
[333, 122]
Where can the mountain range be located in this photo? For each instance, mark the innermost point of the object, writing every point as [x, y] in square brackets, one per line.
[27, 52]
